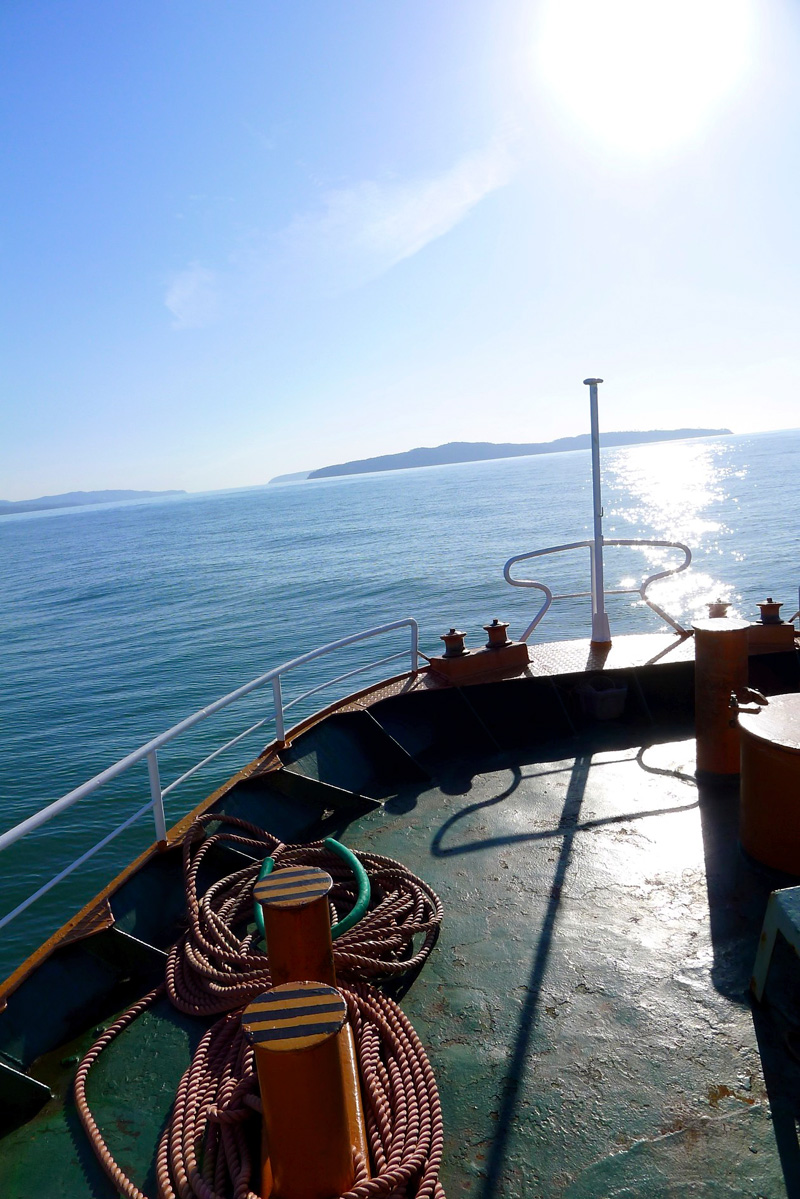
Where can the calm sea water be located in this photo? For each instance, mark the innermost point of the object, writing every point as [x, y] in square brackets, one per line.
[120, 620]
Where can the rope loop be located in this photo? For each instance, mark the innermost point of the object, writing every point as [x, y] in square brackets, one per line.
[209, 1147]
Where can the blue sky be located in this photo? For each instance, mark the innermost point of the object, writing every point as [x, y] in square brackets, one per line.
[249, 238]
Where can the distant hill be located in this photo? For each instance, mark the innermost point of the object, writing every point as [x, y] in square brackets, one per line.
[77, 499]
[297, 477]
[478, 451]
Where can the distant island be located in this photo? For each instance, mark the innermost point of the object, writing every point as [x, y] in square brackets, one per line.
[77, 499]
[479, 451]
[297, 477]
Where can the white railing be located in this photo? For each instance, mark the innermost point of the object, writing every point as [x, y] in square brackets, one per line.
[641, 591]
[149, 752]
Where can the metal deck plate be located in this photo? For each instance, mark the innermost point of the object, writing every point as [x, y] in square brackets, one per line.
[573, 657]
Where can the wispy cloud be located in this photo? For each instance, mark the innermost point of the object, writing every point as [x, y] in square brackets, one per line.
[364, 230]
[191, 297]
[356, 234]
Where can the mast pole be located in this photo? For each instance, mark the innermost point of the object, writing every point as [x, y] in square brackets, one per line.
[601, 634]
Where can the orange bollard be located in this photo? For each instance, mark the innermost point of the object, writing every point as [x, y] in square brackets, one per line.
[720, 667]
[298, 929]
[296, 1032]
[298, 924]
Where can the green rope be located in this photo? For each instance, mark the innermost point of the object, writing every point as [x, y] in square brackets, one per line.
[364, 892]
[362, 878]
[266, 869]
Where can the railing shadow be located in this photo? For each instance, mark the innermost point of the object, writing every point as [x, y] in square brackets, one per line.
[528, 1016]
[737, 892]
[440, 850]
[736, 898]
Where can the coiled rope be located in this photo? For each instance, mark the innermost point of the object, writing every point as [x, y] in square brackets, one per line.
[210, 1148]
[212, 969]
[358, 909]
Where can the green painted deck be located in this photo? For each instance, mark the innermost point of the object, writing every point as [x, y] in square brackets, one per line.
[586, 1009]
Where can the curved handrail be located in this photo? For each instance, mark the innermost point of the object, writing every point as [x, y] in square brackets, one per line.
[149, 751]
[549, 596]
[575, 545]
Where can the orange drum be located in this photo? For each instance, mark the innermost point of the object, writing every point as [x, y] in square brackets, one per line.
[769, 821]
[720, 667]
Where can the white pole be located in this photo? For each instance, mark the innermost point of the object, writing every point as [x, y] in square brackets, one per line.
[601, 634]
[280, 730]
[157, 796]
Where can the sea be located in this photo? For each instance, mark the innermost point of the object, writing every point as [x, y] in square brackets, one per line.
[119, 620]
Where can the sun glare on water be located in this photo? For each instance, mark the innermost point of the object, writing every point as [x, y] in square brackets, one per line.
[643, 77]
[679, 491]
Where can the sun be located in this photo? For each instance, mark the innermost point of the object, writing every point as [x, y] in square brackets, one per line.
[639, 76]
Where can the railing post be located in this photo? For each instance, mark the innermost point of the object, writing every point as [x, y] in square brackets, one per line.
[414, 646]
[593, 581]
[601, 634]
[158, 799]
[280, 731]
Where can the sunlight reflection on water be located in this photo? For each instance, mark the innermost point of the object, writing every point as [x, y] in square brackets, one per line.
[673, 487]
[675, 491]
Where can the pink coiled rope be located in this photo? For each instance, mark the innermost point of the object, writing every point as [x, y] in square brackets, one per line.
[210, 1148]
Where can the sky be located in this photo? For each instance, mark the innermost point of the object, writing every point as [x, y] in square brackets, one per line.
[244, 239]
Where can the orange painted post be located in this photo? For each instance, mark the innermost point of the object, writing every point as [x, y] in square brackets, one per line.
[298, 924]
[296, 1032]
[299, 946]
[720, 667]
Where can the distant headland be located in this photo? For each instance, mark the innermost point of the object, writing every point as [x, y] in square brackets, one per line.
[479, 451]
[77, 499]
[297, 477]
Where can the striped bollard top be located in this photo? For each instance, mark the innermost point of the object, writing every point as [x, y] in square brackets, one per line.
[296, 1031]
[297, 923]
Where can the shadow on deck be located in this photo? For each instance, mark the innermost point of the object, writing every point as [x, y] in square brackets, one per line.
[703, 969]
